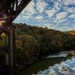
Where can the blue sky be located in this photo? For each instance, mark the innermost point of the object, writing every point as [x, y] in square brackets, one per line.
[54, 14]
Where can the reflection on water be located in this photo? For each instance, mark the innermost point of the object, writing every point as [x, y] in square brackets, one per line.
[59, 54]
[41, 67]
[64, 68]
[42, 64]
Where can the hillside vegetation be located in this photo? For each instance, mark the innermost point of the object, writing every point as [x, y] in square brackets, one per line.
[34, 42]
[72, 32]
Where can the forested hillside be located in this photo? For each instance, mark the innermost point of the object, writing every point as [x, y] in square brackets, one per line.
[34, 42]
[72, 32]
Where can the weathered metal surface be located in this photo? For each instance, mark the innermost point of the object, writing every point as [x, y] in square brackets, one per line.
[9, 10]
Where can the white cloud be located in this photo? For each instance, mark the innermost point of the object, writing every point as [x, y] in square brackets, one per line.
[59, 21]
[67, 2]
[61, 15]
[72, 16]
[30, 8]
[40, 5]
[63, 28]
[70, 9]
[74, 20]
[67, 7]
[59, 0]
[50, 26]
[39, 17]
[28, 11]
[51, 15]
[18, 18]
[26, 17]
[56, 5]
[51, 12]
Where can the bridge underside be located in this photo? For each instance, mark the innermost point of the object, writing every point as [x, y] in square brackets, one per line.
[9, 10]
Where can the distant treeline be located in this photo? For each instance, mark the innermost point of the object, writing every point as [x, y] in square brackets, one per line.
[34, 42]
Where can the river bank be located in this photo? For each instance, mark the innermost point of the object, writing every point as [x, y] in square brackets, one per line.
[41, 65]
[71, 53]
[55, 55]
[44, 63]
[64, 68]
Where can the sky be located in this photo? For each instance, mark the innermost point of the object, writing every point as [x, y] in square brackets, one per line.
[54, 14]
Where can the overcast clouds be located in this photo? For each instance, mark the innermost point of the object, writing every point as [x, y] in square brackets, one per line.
[55, 14]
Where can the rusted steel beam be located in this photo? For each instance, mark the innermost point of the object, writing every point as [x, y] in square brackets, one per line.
[5, 5]
[7, 11]
[5, 48]
[22, 5]
[12, 51]
[7, 15]
[4, 28]
[16, 4]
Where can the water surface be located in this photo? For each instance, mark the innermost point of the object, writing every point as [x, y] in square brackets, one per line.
[64, 68]
[42, 64]
[50, 65]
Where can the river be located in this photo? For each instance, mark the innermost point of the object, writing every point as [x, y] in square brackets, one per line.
[50, 65]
